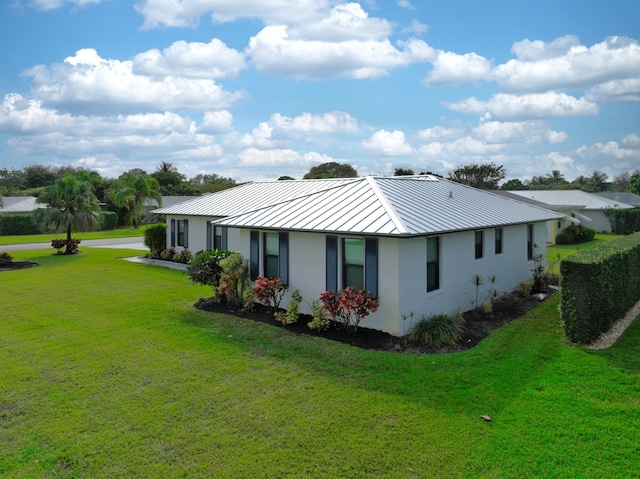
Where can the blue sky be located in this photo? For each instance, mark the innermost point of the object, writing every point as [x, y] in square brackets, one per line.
[255, 90]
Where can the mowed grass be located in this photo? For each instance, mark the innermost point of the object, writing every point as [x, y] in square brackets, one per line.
[557, 252]
[128, 232]
[108, 371]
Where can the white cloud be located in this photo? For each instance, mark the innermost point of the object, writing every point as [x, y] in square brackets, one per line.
[517, 132]
[388, 143]
[453, 69]
[527, 50]
[335, 122]
[438, 133]
[615, 59]
[406, 4]
[88, 82]
[416, 27]
[191, 60]
[172, 13]
[346, 21]
[216, 121]
[505, 106]
[273, 52]
[254, 157]
[55, 4]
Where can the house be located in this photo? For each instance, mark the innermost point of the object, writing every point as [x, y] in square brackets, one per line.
[416, 241]
[589, 208]
[19, 205]
[622, 197]
[554, 226]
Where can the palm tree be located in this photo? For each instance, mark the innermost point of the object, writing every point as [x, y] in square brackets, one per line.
[136, 187]
[555, 178]
[72, 205]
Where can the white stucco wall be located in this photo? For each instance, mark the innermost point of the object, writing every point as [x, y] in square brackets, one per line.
[402, 271]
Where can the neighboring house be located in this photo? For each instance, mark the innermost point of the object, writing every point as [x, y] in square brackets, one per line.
[416, 242]
[19, 204]
[151, 204]
[589, 208]
[554, 226]
[628, 198]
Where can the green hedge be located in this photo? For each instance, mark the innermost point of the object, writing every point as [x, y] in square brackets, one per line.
[18, 225]
[155, 237]
[599, 285]
[109, 220]
[625, 222]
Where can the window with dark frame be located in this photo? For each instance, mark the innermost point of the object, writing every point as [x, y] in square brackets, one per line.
[433, 263]
[271, 255]
[529, 242]
[217, 237]
[353, 262]
[181, 233]
[479, 244]
[498, 239]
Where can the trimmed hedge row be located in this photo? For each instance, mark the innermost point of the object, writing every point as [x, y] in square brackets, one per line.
[625, 222]
[23, 224]
[18, 225]
[599, 285]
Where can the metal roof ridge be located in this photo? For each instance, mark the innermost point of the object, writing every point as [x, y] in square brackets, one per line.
[306, 194]
[386, 204]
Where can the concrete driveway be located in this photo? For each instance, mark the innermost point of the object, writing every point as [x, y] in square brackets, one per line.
[121, 243]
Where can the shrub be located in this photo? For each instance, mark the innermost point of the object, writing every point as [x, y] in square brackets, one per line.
[319, 321]
[349, 306]
[183, 256]
[155, 237]
[437, 330]
[293, 310]
[6, 259]
[109, 220]
[270, 291]
[234, 279]
[524, 289]
[18, 225]
[168, 254]
[71, 246]
[575, 234]
[204, 268]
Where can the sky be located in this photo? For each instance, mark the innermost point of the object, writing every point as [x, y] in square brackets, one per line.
[255, 89]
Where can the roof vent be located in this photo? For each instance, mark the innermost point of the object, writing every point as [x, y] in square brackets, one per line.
[451, 194]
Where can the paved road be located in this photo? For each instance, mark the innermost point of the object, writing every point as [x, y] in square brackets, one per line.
[127, 243]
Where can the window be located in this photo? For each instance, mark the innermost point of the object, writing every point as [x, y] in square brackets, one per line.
[219, 237]
[271, 255]
[479, 244]
[498, 240]
[433, 264]
[182, 233]
[530, 242]
[353, 262]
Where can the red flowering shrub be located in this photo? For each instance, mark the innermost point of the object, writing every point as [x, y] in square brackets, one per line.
[349, 306]
[71, 245]
[269, 291]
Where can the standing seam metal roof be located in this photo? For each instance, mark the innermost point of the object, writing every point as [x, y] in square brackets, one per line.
[397, 206]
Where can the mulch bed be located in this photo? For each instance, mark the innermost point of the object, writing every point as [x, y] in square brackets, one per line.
[505, 310]
[19, 265]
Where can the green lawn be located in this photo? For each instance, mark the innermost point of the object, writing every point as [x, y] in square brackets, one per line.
[46, 238]
[107, 371]
[556, 252]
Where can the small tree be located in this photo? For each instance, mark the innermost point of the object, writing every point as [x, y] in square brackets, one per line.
[72, 206]
[349, 306]
[234, 279]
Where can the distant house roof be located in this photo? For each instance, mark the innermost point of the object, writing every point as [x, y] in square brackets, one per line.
[19, 204]
[628, 198]
[396, 206]
[571, 199]
[167, 201]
